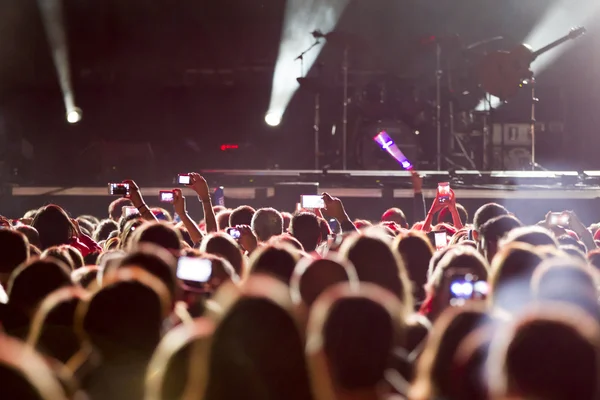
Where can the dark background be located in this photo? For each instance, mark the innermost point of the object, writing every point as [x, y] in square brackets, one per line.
[164, 83]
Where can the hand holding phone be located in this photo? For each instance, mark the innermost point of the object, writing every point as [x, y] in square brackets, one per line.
[184, 179]
[559, 219]
[311, 202]
[129, 210]
[443, 192]
[118, 189]
[166, 196]
[234, 233]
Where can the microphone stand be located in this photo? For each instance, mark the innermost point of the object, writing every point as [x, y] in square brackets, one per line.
[301, 56]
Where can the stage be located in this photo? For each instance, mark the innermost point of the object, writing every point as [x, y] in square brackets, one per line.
[366, 194]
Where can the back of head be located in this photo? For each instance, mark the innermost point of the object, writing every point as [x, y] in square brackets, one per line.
[104, 229]
[395, 215]
[32, 282]
[241, 216]
[510, 276]
[160, 234]
[533, 235]
[54, 226]
[30, 233]
[550, 353]
[313, 277]
[223, 219]
[61, 254]
[375, 262]
[433, 378]
[416, 252]
[15, 251]
[115, 209]
[305, 227]
[594, 258]
[223, 245]
[75, 255]
[267, 360]
[487, 212]
[355, 330]
[492, 231]
[267, 222]
[445, 216]
[277, 261]
[125, 316]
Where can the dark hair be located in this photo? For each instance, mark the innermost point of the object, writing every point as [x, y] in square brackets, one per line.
[241, 216]
[574, 251]
[568, 240]
[223, 245]
[159, 233]
[286, 238]
[104, 228]
[267, 222]
[487, 212]
[533, 235]
[15, 250]
[496, 228]
[31, 233]
[54, 226]
[85, 226]
[594, 258]
[305, 227]
[395, 215]
[115, 209]
[223, 219]
[90, 218]
[75, 255]
[445, 216]
[124, 220]
[416, 252]
[59, 253]
[277, 261]
[32, 282]
[326, 229]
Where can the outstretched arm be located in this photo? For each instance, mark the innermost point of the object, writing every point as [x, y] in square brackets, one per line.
[180, 209]
[138, 201]
[198, 183]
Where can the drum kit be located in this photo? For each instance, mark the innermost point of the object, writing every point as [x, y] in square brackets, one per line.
[438, 119]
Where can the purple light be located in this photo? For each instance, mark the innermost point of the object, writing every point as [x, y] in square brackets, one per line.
[386, 143]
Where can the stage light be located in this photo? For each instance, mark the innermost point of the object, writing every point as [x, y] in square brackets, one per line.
[301, 18]
[273, 119]
[74, 115]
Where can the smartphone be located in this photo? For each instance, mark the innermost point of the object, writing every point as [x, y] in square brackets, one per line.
[166, 196]
[439, 239]
[184, 179]
[129, 210]
[559, 219]
[334, 225]
[466, 287]
[310, 201]
[234, 233]
[194, 269]
[118, 189]
[443, 191]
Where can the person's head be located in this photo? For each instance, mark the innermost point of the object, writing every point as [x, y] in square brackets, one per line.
[456, 264]
[287, 220]
[444, 216]
[433, 379]
[25, 374]
[267, 222]
[124, 318]
[569, 281]
[241, 216]
[75, 255]
[154, 260]
[492, 231]
[575, 252]
[533, 235]
[30, 233]
[104, 228]
[594, 258]
[267, 360]
[550, 352]
[85, 226]
[312, 277]
[287, 239]
[31, 282]
[128, 232]
[375, 262]
[54, 226]
[85, 276]
[59, 253]
[181, 354]
[115, 209]
[487, 212]
[221, 272]
[223, 219]
[395, 215]
[225, 246]
[416, 251]
[161, 214]
[350, 336]
[15, 251]
[160, 234]
[52, 327]
[277, 261]
[510, 276]
[305, 227]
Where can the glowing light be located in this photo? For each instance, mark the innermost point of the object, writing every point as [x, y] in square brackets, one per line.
[386, 143]
[74, 115]
[273, 119]
[301, 18]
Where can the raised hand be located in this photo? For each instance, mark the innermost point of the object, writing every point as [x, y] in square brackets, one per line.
[199, 185]
[134, 193]
[179, 203]
[335, 208]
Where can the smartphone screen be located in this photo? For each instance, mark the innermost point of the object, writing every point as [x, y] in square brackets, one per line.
[118, 189]
[234, 233]
[559, 219]
[166, 196]
[466, 287]
[309, 201]
[129, 210]
[441, 239]
[194, 269]
[183, 179]
[443, 191]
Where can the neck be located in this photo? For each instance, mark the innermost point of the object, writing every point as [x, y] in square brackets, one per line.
[359, 394]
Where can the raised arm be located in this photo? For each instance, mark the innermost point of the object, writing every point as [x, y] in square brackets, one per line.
[198, 183]
[181, 210]
[335, 209]
[138, 201]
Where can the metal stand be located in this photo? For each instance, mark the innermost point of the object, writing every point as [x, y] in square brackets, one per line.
[534, 100]
[438, 104]
[345, 112]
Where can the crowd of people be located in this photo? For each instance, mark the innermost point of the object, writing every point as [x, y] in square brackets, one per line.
[149, 303]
